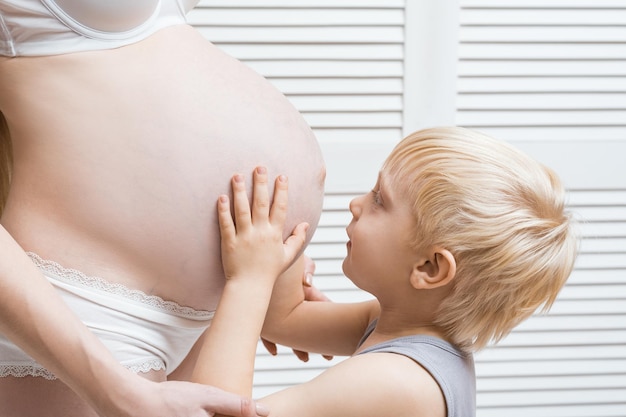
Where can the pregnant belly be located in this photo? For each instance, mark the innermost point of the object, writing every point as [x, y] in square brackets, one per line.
[189, 159]
[219, 120]
[168, 124]
[181, 186]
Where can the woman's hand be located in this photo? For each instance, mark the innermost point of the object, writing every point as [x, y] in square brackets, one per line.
[182, 399]
[252, 239]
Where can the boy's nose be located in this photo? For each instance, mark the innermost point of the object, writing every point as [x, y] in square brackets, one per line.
[355, 205]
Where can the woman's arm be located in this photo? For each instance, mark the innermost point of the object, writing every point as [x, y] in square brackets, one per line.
[253, 255]
[34, 317]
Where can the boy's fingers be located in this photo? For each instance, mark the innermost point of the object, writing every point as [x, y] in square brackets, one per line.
[278, 212]
[260, 195]
[241, 203]
[295, 242]
[227, 227]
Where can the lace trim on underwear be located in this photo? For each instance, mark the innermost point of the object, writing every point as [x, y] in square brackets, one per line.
[147, 366]
[22, 371]
[74, 276]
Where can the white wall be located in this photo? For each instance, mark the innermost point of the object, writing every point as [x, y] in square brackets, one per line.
[547, 75]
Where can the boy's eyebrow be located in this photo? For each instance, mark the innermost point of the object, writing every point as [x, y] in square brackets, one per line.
[389, 193]
[384, 196]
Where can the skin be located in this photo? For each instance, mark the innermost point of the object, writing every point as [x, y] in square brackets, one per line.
[250, 277]
[408, 285]
[135, 144]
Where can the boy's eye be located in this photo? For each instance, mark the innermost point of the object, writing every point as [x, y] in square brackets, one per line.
[376, 197]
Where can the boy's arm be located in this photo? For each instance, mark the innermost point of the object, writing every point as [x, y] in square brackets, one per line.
[253, 255]
[311, 293]
[314, 326]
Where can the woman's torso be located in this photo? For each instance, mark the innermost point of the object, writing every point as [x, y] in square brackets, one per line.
[119, 157]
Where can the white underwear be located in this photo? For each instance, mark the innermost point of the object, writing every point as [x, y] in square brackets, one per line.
[144, 332]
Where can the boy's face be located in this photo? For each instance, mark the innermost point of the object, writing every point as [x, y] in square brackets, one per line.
[379, 253]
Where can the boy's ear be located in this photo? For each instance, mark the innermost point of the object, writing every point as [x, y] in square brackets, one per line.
[436, 270]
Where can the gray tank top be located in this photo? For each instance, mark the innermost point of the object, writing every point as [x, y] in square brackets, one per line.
[452, 369]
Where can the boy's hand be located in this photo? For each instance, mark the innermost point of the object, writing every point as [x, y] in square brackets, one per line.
[252, 243]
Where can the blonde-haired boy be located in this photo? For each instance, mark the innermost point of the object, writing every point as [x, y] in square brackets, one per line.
[461, 239]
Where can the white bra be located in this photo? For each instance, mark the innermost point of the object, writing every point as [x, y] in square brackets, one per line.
[53, 27]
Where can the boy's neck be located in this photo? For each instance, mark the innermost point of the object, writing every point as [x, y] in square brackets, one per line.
[391, 325]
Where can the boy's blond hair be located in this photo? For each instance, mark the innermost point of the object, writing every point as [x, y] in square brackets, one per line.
[500, 213]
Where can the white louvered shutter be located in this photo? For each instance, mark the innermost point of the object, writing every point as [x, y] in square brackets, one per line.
[550, 77]
[546, 75]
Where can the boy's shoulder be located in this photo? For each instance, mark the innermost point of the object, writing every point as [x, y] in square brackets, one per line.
[452, 369]
[365, 385]
[394, 385]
